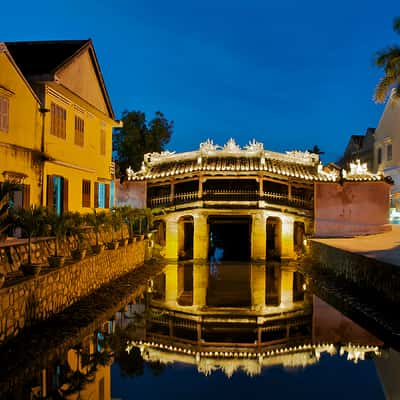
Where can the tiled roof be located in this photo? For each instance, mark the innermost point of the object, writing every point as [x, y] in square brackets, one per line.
[43, 57]
[231, 166]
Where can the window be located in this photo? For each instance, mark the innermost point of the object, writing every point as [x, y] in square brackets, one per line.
[379, 156]
[79, 131]
[85, 193]
[4, 114]
[389, 152]
[103, 142]
[101, 195]
[58, 123]
[57, 193]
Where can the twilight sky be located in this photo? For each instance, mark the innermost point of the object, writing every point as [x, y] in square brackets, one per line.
[288, 73]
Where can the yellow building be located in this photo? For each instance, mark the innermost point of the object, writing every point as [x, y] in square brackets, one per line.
[75, 139]
[20, 131]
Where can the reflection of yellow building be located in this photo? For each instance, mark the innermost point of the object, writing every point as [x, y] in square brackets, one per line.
[71, 125]
[20, 131]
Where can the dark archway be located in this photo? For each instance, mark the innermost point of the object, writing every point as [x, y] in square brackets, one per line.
[229, 238]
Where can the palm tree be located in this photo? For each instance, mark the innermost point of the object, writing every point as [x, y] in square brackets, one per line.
[389, 60]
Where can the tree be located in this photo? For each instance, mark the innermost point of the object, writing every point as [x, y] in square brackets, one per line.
[316, 150]
[138, 137]
[389, 60]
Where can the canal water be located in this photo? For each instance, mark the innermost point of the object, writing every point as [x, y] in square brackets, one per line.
[215, 330]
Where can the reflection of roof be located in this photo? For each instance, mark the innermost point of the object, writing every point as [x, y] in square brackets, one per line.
[232, 160]
[249, 361]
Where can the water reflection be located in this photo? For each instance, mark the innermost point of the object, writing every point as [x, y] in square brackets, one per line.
[240, 316]
[222, 320]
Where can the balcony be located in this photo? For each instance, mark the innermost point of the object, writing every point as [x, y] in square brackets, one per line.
[232, 196]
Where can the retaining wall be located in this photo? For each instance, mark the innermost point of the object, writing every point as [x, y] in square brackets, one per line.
[365, 272]
[37, 298]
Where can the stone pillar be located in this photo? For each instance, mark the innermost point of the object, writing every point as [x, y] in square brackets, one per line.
[200, 193]
[286, 287]
[171, 284]
[200, 284]
[200, 237]
[287, 248]
[258, 237]
[258, 286]
[171, 239]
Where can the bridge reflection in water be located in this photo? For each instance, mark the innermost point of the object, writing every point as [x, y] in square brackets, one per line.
[221, 320]
[241, 316]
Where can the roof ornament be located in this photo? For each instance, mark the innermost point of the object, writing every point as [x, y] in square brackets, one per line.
[358, 169]
[254, 147]
[208, 147]
[155, 157]
[129, 173]
[231, 146]
[304, 157]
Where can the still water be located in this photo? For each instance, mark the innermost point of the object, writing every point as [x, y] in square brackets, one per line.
[210, 330]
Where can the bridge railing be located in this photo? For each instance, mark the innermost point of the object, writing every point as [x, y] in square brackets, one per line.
[232, 195]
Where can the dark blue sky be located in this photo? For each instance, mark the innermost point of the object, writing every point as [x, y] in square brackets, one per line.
[288, 73]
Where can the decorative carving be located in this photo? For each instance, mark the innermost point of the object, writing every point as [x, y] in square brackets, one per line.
[154, 157]
[303, 157]
[358, 169]
[208, 146]
[254, 146]
[231, 146]
[130, 173]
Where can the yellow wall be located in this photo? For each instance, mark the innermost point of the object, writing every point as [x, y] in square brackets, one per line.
[70, 160]
[24, 133]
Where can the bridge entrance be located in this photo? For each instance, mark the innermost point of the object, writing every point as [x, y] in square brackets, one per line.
[229, 238]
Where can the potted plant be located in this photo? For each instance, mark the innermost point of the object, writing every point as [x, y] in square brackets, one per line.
[128, 218]
[59, 224]
[32, 222]
[114, 221]
[96, 221]
[120, 212]
[76, 230]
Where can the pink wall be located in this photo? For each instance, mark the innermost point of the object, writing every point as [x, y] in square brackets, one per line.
[130, 194]
[351, 208]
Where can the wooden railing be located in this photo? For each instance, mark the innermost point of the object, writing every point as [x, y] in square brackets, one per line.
[232, 195]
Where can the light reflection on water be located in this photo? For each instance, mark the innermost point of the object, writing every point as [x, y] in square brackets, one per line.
[225, 329]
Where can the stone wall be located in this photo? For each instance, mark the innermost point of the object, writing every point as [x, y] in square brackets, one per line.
[367, 273]
[14, 253]
[39, 297]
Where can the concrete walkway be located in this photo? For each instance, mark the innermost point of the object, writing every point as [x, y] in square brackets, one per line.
[383, 246]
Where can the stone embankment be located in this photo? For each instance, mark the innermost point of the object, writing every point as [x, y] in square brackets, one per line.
[40, 297]
[49, 340]
[370, 262]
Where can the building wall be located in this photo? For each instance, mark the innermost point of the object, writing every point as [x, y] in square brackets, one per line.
[351, 208]
[130, 194]
[73, 161]
[40, 297]
[24, 130]
[388, 133]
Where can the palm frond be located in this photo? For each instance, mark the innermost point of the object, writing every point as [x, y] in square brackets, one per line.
[387, 55]
[383, 87]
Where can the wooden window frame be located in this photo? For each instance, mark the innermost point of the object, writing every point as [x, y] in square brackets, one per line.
[58, 121]
[4, 113]
[79, 131]
[86, 189]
